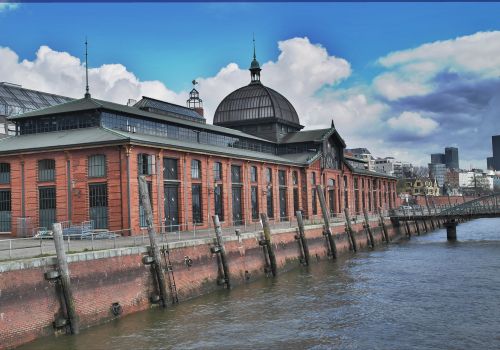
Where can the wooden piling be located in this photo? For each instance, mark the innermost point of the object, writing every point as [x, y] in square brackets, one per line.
[221, 251]
[349, 230]
[417, 228]
[302, 237]
[64, 279]
[408, 232]
[157, 265]
[326, 220]
[368, 229]
[267, 238]
[382, 223]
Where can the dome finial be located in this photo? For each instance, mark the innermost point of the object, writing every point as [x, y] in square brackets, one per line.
[254, 67]
[254, 57]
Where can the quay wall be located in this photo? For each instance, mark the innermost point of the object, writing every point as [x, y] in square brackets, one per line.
[29, 303]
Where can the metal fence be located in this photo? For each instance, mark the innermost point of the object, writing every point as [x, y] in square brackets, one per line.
[81, 237]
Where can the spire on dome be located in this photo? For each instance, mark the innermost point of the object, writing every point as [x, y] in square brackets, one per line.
[254, 67]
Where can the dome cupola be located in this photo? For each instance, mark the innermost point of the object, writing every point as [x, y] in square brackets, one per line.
[257, 109]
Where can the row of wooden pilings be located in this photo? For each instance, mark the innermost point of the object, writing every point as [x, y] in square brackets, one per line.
[162, 269]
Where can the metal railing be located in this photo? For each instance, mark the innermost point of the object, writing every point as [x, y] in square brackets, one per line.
[42, 245]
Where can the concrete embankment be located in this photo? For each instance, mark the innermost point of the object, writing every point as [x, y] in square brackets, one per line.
[113, 283]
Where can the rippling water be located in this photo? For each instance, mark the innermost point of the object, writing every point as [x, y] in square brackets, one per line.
[420, 294]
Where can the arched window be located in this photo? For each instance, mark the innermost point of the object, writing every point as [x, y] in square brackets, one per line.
[195, 169]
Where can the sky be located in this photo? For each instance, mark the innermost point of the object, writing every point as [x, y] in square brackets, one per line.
[401, 79]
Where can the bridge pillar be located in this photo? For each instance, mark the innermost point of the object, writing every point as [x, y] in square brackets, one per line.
[451, 229]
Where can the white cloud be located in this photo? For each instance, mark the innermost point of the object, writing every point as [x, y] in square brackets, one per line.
[410, 72]
[413, 123]
[6, 6]
[477, 53]
[393, 87]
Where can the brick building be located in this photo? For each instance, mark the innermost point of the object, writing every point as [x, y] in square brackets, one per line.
[80, 161]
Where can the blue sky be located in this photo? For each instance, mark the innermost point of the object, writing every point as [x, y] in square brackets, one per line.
[173, 43]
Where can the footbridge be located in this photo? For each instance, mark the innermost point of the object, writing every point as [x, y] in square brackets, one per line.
[429, 218]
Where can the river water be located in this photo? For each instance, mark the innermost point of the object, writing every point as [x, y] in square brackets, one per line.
[424, 293]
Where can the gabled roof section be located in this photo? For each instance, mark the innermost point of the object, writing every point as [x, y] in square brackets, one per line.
[317, 135]
[166, 108]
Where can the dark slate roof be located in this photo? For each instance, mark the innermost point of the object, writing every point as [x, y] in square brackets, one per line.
[367, 172]
[167, 108]
[89, 137]
[305, 136]
[58, 139]
[94, 104]
[255, 102]
[303, 158]
[355, 159]
[316, 135]
[17, 99]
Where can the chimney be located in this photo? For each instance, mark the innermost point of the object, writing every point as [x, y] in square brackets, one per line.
[199, 110]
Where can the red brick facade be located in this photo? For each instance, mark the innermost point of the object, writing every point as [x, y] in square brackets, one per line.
[72, 186]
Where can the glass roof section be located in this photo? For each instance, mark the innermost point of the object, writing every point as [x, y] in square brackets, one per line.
[255, 101]
[15, 100]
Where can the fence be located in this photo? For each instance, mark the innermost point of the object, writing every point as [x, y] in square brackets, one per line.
[82, 237]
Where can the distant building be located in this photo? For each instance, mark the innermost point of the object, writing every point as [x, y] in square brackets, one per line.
[477, 181]
[495, 143]
[438, 172]
[451, 157]
[490, 163]
[438, 158]
[15, 100]
[421, 187]
[362, 153]
[391, 166]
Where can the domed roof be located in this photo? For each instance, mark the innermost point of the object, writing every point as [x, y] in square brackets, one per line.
[255, 101]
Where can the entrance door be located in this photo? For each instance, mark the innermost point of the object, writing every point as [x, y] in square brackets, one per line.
[283, 216]
[331, 201]
[237, 217]
[171, 194]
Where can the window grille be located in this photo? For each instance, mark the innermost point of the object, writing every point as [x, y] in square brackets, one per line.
[219, 202]
[254, 195]
[146, 164]
[97, 165]
[282, 177]
[170, 169]
[195, 169]
[98, 205]
[196, 203]
[218, 172]
[235, 174]
[253, 174]
[47, 206]
[4, 173]
[46, 170]
[5, 211]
